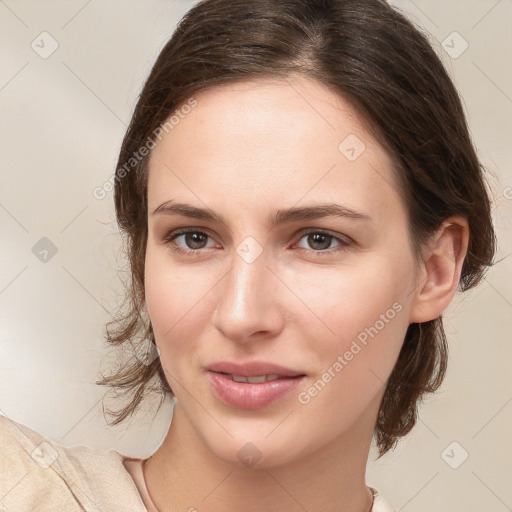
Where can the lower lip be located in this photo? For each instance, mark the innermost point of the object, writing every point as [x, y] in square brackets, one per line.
[245, 395]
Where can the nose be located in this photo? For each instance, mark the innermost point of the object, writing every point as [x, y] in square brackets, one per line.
[249, 301]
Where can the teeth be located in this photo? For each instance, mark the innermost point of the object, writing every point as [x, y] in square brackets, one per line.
[272, 377]
[254, 380]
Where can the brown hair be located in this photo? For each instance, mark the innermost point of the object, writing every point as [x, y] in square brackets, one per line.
[375, 58]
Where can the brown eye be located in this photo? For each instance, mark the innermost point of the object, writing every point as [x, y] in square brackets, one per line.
[320, 242]
[193, 240]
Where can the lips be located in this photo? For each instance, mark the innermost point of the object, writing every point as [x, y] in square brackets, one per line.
[251, 385]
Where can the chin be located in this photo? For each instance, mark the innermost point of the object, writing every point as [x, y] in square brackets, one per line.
[254, 451]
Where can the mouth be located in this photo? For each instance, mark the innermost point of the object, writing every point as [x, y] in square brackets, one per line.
[243, 391]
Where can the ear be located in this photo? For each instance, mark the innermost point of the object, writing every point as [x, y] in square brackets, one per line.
[440, 269]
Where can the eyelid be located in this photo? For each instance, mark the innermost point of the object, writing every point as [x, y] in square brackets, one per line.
[338, 236]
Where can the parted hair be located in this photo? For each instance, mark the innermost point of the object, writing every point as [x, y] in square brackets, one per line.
[375, 58]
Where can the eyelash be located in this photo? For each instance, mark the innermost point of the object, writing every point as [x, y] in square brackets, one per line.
[169, 239]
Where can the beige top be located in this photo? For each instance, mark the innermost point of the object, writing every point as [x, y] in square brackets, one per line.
[38, 475]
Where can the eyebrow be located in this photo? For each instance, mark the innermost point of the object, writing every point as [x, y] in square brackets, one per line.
[280, 217]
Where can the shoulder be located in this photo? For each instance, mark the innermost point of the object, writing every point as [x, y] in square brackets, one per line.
[380, 503]
[39, 474]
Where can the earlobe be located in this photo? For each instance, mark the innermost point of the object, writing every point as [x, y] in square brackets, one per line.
[440, 270]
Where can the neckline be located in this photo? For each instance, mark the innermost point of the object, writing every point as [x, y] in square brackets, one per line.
[135, 467]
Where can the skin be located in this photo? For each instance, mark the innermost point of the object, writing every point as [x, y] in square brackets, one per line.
[245, 151]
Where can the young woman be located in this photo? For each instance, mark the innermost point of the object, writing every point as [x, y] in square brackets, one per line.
[301, 200]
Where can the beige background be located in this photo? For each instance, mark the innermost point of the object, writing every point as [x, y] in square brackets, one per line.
[62, 120]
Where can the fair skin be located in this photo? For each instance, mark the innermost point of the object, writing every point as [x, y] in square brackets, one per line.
[245, 151]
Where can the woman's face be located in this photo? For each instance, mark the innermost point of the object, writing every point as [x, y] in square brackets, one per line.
[264, 277]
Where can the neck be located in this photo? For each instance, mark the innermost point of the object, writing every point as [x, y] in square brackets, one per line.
[184, 475]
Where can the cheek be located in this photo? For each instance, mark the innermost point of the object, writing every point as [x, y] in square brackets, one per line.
[347, 300]
[361, 320]
[352, 363]
[176, 300]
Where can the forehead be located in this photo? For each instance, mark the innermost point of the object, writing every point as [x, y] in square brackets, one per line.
[261, 141]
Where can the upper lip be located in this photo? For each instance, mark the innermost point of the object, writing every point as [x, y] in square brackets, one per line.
[252, 369]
